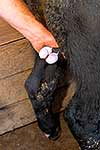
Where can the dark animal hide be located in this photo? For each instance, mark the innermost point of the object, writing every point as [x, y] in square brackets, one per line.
[76, 26]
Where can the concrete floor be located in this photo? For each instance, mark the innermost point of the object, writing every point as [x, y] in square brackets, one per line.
[31, 138]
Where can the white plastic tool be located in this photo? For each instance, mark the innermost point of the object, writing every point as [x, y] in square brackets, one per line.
[52, 58]
[44, 52]
[47, 54]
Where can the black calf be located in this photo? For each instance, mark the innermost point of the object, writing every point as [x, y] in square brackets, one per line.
[76, 26]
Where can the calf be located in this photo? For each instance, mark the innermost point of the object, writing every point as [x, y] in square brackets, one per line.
[76, 26]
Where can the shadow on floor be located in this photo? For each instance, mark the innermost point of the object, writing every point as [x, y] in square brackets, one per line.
[31, 138]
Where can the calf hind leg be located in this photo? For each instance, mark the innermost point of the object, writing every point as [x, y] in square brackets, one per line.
[40, 85]
[83, 120]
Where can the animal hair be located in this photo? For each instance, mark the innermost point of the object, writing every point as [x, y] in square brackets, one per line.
[76, 26]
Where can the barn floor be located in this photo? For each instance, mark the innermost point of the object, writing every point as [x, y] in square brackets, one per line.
[31, 138]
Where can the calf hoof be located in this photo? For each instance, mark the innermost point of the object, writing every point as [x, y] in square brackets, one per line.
[50, 124]
[55, 134]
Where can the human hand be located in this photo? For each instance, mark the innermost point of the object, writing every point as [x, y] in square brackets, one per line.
[20, 17]
[42, 37]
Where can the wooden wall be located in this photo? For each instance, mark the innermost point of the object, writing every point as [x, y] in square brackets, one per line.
[16, 61]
